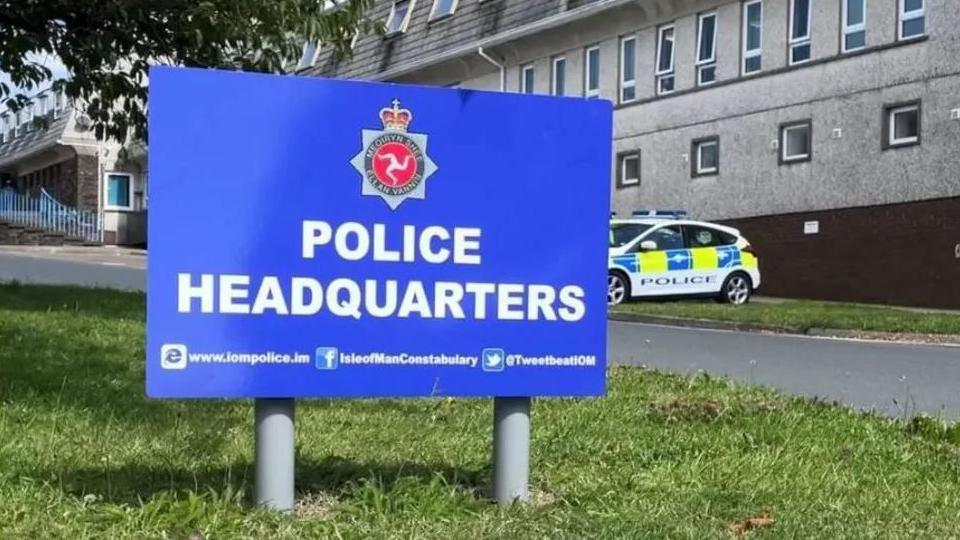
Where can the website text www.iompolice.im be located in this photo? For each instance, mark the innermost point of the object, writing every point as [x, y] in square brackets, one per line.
[345, 297]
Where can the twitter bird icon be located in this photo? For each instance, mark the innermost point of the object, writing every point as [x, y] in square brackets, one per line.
[493, 360]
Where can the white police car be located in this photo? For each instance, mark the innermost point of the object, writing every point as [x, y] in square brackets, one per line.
[659, 254]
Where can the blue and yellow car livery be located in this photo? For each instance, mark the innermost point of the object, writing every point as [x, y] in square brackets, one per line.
[729, 271]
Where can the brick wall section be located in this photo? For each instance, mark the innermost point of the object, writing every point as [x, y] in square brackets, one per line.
[64, 188]
[898, 254]
[88, 182]
[59, 179]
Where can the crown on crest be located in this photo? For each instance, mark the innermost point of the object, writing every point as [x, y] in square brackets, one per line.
[394, 118]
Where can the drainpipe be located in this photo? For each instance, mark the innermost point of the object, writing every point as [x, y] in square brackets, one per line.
[503, 69]
[101, 188]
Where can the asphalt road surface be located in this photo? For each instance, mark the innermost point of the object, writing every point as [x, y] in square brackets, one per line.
[890, 378]
[49, 267]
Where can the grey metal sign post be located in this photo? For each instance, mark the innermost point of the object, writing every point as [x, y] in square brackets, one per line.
[511, 416]
[511, 450]
[275, 448]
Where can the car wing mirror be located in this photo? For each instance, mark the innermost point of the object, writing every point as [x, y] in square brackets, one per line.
[648, 245]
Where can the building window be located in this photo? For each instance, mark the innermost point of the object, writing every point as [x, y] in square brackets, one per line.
[628, 169]
[443, 8]
[59, 102]
[796, 142]
[309, 55]
[665, 78]
[591, 72]
[628, 69]
[558, 79]
[705, 156]
[752, 37]
[399, 17]
[526, 79]
[26, 119]
[854, 25]
[799, 31]
[43, 104]
[901, 126]
[707, 49]
[118, 191]
[912, 18]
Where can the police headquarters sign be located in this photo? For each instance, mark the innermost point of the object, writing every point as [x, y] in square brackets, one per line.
[312, 237]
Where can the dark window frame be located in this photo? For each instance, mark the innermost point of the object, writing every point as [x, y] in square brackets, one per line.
[885, 115]
[621, 156]
[695, 156]
[782, 147]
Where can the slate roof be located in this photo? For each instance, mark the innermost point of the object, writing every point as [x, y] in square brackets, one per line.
[37, 138]
[473, 20]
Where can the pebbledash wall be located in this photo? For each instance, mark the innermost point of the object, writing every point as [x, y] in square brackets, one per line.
[887, 220]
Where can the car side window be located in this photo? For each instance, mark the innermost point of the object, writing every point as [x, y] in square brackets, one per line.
[622, 234]
[697, 236]
[669, 237]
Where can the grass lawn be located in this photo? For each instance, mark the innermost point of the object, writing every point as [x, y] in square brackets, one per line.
[83, 454]
[800, 315]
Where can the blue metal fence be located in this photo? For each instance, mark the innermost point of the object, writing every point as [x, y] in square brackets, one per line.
[48, 214]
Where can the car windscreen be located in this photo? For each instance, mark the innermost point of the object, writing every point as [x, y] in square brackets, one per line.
[623, 233]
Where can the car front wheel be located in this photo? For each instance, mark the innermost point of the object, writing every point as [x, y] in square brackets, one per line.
[618, 289]
[736, 289]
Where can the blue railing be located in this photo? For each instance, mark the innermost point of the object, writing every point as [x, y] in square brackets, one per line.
[48, 214]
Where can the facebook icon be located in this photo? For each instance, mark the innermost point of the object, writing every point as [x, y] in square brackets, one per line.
[327, 358]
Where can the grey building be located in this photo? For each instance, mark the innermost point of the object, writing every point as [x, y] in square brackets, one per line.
[826, 130]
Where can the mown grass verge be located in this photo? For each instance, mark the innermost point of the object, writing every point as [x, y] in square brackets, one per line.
[802, 315]
[84, 455]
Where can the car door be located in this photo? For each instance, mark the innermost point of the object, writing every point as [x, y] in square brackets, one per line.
[712, 252]
[660, 254]
[625, 236]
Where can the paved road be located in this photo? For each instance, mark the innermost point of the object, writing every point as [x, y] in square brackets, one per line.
[879, 376]
[884, 377]
[65, 268]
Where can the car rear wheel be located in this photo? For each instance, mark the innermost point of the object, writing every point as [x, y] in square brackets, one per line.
[736, 289]
[618, 288]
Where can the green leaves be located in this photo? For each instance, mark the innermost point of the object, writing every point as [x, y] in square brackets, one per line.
[109, 45]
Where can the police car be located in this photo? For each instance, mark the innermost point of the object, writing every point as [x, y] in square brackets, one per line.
[660, 254]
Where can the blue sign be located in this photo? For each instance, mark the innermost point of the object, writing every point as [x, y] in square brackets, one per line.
[326, 238]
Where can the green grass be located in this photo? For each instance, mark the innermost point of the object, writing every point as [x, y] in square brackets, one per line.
[84, 455]
[800, 315]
